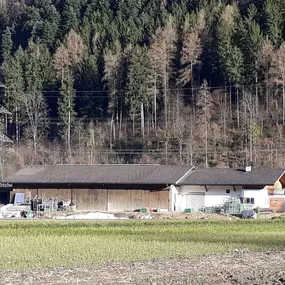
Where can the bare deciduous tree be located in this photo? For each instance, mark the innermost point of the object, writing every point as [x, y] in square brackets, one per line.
[191, 48]
[162, 52]
[66, 57]
[37, 115]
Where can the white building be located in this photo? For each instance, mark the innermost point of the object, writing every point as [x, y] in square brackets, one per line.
[213, 186]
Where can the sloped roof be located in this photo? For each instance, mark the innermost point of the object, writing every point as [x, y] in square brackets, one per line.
[228, 176]
[100, 174]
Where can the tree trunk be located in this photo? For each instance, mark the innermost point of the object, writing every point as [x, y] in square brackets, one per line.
[1, 160]
[283, 97]
[17, 127]
[237, 107]
[111, 133]
[251, 138]
[166, 152]
[256, 90]
[69, 129]
[154, 105]
[191, 136]
[142, 120]
[165, 100]
[230, 105]
[192, 90]
[133, 120]
[225, 115]
[121, 120]
[180, 152]
[206, 146]
[35, 143]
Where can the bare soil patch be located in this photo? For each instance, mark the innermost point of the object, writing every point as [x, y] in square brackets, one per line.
[238, 267]
[187, 216]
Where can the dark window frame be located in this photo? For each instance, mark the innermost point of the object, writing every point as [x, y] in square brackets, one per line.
[247, 200]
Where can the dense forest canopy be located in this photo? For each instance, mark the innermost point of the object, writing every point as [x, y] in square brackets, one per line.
[99, 81]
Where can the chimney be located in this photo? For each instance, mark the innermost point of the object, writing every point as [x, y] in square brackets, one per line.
[248, 169]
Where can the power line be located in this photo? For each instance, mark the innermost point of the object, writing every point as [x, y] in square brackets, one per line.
[138, 90]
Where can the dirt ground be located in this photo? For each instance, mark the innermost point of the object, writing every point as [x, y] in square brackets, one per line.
[238, 267]
[196, 216]
[171, 215]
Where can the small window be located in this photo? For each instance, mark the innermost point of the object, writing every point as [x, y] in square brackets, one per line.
[228, 191]
[247, 200]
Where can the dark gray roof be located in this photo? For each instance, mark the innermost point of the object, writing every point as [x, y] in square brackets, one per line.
[227, 176]
[100, 174]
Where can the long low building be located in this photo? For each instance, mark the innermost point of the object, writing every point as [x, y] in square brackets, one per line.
[101, 187]
[129, 187]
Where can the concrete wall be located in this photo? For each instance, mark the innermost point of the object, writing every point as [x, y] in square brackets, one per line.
[104, 199]
[261, 198]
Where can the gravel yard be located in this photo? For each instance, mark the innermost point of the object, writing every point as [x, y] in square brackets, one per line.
[234, 268]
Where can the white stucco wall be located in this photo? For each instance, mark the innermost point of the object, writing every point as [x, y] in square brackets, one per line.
[182, 192]
[216, 195]
[173, 195]
[261, 198]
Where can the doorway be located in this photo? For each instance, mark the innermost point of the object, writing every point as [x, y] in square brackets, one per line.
[195, 200]
[4, 197]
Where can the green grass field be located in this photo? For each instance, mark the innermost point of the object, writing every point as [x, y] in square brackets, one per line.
[31, 244]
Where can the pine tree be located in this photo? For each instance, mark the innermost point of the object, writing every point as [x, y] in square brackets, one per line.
[6, 44]
[37, 62]
[264, 61]
[204, 113]
[231, 57]
[70, 18]
[138, 98]
[274, 17]
[41, 22]
[252, 38]
[278, 73]
[113, 80]
[13, 78]
[66, 110]
[91, 103]
[49, 29]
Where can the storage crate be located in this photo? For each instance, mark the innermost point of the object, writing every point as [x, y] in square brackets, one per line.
[145, 210]
[189, 210]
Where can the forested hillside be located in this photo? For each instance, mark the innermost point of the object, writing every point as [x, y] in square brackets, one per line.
[143, 81]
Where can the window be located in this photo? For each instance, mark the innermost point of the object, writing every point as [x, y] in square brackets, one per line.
[228, 191]
[247, 200]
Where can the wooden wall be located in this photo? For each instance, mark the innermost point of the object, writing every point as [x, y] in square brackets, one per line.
[90, 199]
[29, 193]
[282, 180]
[104, 199]
[135, 199]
